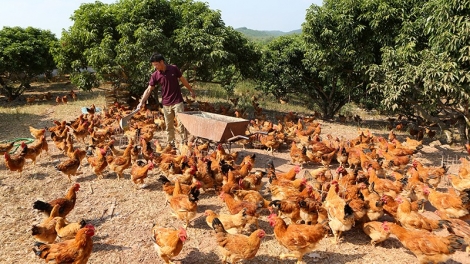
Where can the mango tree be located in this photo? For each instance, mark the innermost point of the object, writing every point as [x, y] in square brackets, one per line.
[427, 69]
[24, 54]
[339, 48]
[117, 40]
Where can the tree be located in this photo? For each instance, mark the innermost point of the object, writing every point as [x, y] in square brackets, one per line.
[427, 68]
[340, 46]
[117, 40]
[24, 54]
[282, 69]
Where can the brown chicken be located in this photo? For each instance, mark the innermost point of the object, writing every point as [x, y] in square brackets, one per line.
[236, 247]
[413, 220]
[289, 175]
[169, 187]
[37, 133]
[168, 242]
[120, 163]
[270, 142]
[233, 224]
[67, 203]
[251, 196]
[45, 232]
[459, 228]
[377, 231]
[299, 239]
[312, 212]
[252, 181]
[390, 205]
[33, 150]
[340, 214]
[16, 162]
[98, 162]
[66, 230]
[81, 132]
[283, 189]
[430, 175]
[184, 206]
[288, 208]
[459, 183]
[69, 167]
[64, 99]
[235, 207]
[451, 205]
[298, 155]
[73, 95]
[77, 250]
[139, 172]
[6, 147]
[384, 186]
[426, 246]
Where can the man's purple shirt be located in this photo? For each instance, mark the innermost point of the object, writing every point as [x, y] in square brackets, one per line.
[169, 81]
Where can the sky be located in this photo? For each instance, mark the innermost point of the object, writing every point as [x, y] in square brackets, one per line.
[54, 15]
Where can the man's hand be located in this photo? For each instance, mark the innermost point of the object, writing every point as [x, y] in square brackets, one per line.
[193, 94]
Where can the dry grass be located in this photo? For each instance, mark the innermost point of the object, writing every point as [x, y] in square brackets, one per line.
[124, 235]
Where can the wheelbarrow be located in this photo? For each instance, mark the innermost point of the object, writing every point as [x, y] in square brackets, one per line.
[214, 127]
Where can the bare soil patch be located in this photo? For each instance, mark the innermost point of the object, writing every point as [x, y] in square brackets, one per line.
[124, 235]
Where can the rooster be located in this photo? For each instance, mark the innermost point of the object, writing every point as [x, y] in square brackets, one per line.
[67, 203]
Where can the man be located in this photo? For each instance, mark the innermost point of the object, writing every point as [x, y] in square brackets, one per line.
[168, 76]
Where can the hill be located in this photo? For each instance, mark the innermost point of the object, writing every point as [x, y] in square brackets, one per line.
[264, 35]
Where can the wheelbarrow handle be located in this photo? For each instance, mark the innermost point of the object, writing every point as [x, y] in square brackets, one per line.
[236, 138]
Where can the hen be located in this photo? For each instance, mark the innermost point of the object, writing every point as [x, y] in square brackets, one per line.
[376, 231]
[77, 250]
[6, 147]
[184, 206]
[45, 232]
[426, 246]
[139, 172]
[16, 162]
[168, 242]
[98, 162]
[233, 224]
[413, 220]
[299, 239]
[69, 167]
[235, 207]
[120, 163]
[340, 214]
[451, 205]
[67, 230]
[67, 203]
[236, 247]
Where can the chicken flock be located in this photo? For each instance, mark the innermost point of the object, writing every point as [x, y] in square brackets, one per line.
[375, 185]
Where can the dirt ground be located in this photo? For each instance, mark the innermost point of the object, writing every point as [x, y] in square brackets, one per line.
[124, 217]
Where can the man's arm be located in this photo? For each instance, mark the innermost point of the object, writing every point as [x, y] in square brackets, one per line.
[186, 84]
[145, 96]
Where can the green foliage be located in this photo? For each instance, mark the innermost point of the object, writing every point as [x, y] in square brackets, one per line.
[85, 80]
[427, 66]
[24, 53]
[340, 47]
[282, 70]
[117, 40]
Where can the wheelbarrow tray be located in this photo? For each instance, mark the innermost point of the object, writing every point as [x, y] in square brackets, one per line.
[215, 127]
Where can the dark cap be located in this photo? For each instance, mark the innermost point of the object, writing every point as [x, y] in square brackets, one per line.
[156, 57]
